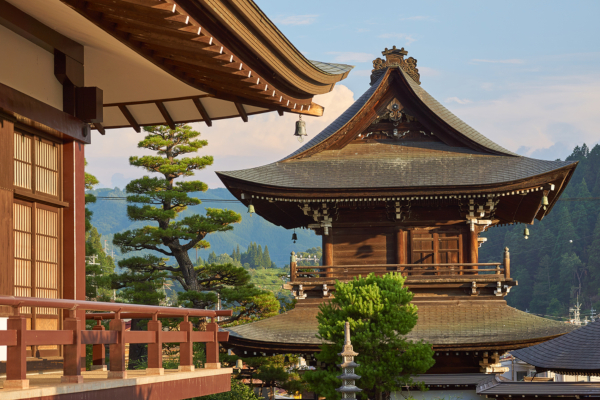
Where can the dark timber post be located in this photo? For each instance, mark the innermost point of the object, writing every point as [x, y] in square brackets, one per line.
[117, 350]
[16, 360]
[328, 251]
[506, 263]
[212, 348]
[155, 349]
[72, 352]
[98, 350]
[186, 353]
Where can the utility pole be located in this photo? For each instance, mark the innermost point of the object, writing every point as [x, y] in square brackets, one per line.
[576, 312]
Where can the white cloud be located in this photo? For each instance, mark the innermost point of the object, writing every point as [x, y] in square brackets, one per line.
[534, 117]
[508, 61]
[407, 39]
[296, 19]
[457, 100]
[349, 56]
[265, 138]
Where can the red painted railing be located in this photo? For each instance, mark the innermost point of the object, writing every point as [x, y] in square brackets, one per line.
[74, 335]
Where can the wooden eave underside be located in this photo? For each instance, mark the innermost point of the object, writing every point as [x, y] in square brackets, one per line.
[167, 36]
[514, 208]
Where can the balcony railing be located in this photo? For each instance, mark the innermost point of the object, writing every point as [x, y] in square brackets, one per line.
[328, 273]
[74, 334]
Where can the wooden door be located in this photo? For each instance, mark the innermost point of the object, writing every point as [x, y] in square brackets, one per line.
[434, 247]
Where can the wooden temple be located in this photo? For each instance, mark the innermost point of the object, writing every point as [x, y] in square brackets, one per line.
[399, 183]
[71, 68]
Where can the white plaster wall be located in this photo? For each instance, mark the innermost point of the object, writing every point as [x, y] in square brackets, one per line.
[439, 395]
[3, 321]
[28, 68]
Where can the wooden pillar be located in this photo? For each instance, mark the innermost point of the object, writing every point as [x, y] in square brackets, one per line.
[186, 349]
[212, 348]
[7, 264]
[73, 189]
[155, 349]
[474, 245]
[72, 352]
[16, 357]
[117, 350]
[400, 247]
[98, 351]
[293, 265]
[328, 251]
[506, 263]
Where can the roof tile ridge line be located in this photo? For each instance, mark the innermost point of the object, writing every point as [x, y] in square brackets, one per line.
[295, 155]
[505, 152]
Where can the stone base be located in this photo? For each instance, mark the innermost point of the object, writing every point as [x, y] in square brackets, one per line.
[117, 374]
[16, 384]
[155, 371]
[99, 368]
[212, 365]
[186, 368]
[71, 379]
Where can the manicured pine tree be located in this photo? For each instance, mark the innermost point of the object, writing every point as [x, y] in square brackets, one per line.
[380, 314]
[159, 201]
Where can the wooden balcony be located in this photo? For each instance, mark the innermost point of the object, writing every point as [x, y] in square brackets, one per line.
[154, 382]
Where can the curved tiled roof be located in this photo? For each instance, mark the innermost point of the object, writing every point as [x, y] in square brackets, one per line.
[402, 164]
[455, 323]
[579, 351]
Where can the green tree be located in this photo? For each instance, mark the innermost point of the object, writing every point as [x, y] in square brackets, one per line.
[380, 315]
[159, 201]
[272, 376]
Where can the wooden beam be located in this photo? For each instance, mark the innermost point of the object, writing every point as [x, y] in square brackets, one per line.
[130, 118]
[202, 111]
[165, 114]
[280, 112]
[240, 108]
[100, 128]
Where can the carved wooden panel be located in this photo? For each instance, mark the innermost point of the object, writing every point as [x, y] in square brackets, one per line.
[23, 160]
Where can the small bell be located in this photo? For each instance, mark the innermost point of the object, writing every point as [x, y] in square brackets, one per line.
[239, 364]
[294, 237]
[545, 201]
[250, 209]
[526, 233]
[300, 129]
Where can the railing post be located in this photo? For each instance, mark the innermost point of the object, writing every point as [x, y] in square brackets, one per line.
[117, 350]
[506, 263]
[212, 348]
[155, 349]
[16, 356]
[293, 267]
[186, 349]
[98, 351]
[72, 352]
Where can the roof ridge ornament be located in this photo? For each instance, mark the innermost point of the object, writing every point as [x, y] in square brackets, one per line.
[395, 58]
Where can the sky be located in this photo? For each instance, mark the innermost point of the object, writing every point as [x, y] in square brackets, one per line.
[526, 74]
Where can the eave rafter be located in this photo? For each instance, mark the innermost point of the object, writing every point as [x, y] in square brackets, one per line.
[166, 35]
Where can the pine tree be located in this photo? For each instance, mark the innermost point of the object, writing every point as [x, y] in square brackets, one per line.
[380, 314]
[266, 258]
[159, 202]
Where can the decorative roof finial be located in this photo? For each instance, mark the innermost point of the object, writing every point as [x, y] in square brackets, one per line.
[348, 377]
[395, 58]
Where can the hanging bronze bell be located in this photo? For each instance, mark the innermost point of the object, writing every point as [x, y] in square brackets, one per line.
[294, 237]
[300, 130]
[545, 201]
[251, 209]
[526, 233]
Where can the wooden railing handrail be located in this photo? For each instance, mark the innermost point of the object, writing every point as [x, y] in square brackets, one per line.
[166, 312]
[402, 265]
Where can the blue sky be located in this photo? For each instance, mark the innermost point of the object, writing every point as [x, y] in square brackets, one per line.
[524, 73]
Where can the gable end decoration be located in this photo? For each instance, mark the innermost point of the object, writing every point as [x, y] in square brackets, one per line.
[395, 58]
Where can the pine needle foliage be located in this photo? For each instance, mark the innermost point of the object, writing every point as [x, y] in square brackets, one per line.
[159, 201]
[380, 315]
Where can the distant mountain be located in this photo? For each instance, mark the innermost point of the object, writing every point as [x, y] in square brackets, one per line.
[110, 217]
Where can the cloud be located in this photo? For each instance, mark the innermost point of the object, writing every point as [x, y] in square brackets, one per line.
[417, 18]
[508, 61]
[296, 19]
[546, 118]
[457, 100]
[264, 139]
[408, 39]
[349, 56]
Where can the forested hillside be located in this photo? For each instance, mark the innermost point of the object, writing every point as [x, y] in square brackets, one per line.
[110, 217]
[561, 258]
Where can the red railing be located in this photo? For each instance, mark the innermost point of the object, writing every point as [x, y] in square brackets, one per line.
[74, 334]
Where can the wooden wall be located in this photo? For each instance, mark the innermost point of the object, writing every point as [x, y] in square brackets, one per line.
[355, 246]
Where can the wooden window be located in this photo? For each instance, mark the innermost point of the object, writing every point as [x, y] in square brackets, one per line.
[23, 160]
[22, 219]
[37, 164]
[46, 252]
[46, 167]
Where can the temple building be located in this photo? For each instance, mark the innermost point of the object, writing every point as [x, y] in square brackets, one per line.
[399, 183]
[71, 69]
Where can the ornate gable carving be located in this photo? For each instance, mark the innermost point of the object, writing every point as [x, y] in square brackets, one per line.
[395, 58]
